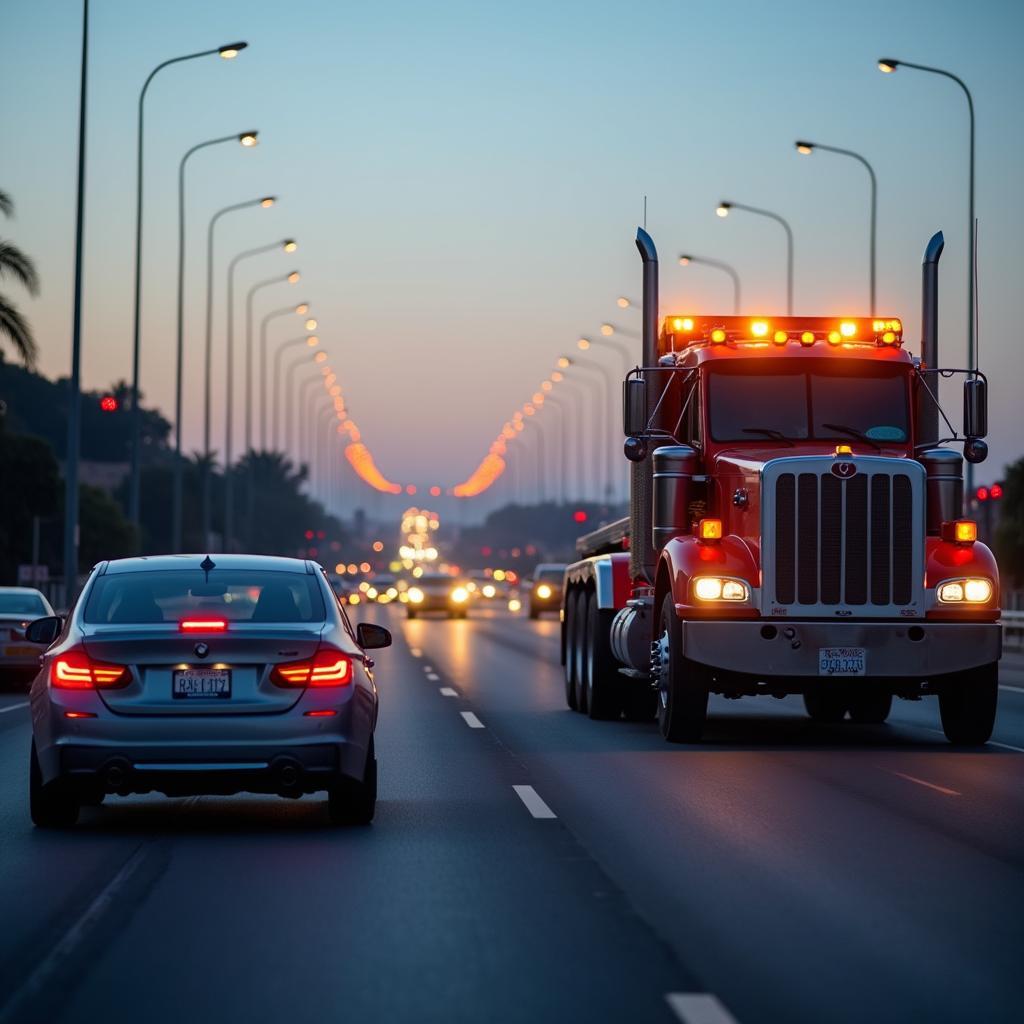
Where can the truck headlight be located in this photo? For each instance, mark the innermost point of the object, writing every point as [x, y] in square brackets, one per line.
[971, 590]
[543, 591]
[416, 595]
[720, 588]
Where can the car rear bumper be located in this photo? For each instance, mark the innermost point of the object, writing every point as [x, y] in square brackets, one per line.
[916, 650]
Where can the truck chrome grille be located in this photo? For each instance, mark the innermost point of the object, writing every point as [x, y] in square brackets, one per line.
[833, 543]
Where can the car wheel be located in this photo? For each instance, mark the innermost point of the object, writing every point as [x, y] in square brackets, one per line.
[580, 651]
[602, 669]
[534, 614]
[410, 614]
[683, 685]
[825, 704]
[52, 805]
[870, 707]
[570, 651]
[967, 705]
[350, 802]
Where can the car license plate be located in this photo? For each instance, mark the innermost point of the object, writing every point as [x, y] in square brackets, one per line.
[841, 661]
[20, 652]
[202, 683]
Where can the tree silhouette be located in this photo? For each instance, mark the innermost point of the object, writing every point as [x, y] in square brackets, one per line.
[14, 263]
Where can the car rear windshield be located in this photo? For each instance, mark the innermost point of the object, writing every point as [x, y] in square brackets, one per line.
[549, 575]
[754, 402]
[22, 604]
[238, 595]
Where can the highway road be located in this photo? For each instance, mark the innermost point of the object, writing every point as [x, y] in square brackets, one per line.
[527, 864]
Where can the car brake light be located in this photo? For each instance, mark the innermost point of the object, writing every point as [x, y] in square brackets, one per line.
[75, 670]
[203, 625]
[327, 667]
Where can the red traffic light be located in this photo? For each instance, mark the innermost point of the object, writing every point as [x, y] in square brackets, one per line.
[579, 516]
[995, 492]
[981, 494]
[108, 403]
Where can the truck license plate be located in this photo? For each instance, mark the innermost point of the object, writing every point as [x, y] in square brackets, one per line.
[202, 684]
[841, 661]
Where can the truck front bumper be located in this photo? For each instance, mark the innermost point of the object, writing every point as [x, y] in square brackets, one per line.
[907, 650]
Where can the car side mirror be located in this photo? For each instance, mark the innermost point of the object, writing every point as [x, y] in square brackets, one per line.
[371, 637]
[44, 631]
[975, 408]
[634, 406]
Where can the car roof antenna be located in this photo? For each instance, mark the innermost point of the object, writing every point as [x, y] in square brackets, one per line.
[206, 565]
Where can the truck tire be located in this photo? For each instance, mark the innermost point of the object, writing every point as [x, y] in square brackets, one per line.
[52, 805]
[580, 652]
[825, 704]
[602, 676]
[639, 700]
[870, 707]
[967, 705]
[683, 685]
[570, 649]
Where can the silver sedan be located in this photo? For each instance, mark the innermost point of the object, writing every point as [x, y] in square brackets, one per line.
[18, 607]
[204, 675]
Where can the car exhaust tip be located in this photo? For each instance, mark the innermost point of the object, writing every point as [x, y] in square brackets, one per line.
[289, 778]
[115, 776]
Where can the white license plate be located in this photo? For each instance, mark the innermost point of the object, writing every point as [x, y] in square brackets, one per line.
[842, 661]
[202, 683]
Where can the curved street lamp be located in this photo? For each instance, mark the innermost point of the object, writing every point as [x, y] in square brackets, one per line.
[228, 52]
[806, 148]
[311, 341]
[723, 210]
[246, 139]
[685, 260]
[265, 202]
[300, 310]
[290, 278]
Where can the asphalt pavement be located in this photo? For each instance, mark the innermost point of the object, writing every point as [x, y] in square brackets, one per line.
[527, 864]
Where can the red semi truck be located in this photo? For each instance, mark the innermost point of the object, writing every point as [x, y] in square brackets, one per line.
[795, 527]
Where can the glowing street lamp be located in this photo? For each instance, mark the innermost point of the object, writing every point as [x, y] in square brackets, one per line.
[724, 209]
[686, 260]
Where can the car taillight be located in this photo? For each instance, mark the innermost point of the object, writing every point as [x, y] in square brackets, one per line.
[326, 668]
[75, 670]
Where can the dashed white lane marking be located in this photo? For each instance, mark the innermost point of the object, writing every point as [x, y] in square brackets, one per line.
[533, 802]
[433, 677]
[428, 668]
[699, 1008]
[471, 720]
[13, 707]
[922, 782]
[447, 691]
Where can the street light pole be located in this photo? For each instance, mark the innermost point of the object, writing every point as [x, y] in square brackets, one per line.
[245, 139]
[277, 379]
[289, 419]
[265, 202]
[288, 245]
[806, 148]
[723, 211]
[228, 52]
[625, 352]
[301, 309]
[541, 461]
[563, 447]
[250, 295]
[303, 421]
[686, 260]
[74, 382]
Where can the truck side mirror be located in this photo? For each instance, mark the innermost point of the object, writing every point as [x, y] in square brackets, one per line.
[975, 408]
[634, 406]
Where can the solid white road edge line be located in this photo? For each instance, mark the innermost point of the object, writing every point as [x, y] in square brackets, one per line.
[698, 1008]
[534, 804]
[447, 691]
[471, 720]
[991, 743]
[14, 707]
[921, 782]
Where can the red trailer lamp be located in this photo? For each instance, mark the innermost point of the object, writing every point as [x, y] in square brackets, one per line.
[969, 590]
[720, 588]
[960, 531]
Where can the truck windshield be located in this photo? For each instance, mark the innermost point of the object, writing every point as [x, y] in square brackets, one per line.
[830, 402]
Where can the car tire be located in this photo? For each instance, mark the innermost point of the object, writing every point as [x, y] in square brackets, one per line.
[410, 614]
[825, 705]
[580, 651]
[603, 699]
[870, 707]
[570, 650]
[967, 705]
[683, 685]
[350, 802]
[534, 614]
[51, 805]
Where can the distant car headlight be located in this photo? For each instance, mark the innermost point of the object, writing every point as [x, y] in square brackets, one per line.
[460, 595]
[720, 588]
[544, 591]
[514, 604]
[416, 595]
[489, 590]
[970, 590]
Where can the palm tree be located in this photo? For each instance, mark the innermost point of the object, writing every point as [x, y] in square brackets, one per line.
[15, 263]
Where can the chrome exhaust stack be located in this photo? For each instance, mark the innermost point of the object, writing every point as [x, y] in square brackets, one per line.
[928, 409]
